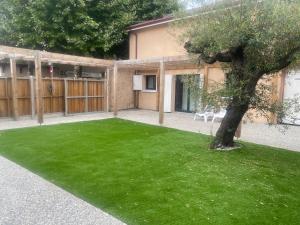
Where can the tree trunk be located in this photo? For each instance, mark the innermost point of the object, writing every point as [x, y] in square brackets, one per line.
[225, 134]
[244, 82]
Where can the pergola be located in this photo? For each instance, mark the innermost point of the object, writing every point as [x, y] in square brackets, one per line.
[161, 65]
[38, 57]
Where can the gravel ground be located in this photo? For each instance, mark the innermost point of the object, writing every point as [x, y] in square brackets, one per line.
[252, 132]
[27, 199]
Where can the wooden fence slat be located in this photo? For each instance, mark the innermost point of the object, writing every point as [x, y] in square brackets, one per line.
[86, 95]
[32, 98]
[66, 96]
[8, 100]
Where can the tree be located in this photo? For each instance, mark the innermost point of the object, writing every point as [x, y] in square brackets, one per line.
[253, 39]
[85, 27]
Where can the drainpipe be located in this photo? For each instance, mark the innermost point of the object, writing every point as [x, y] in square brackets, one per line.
[136, 45]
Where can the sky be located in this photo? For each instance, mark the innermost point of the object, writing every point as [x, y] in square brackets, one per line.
[190, 4]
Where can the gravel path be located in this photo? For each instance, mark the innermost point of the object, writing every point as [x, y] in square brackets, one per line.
[27, 199]
[6, 124]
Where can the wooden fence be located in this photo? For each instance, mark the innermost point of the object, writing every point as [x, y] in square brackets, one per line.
[68, 96]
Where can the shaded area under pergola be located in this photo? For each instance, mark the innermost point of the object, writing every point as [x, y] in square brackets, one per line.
[161, 65]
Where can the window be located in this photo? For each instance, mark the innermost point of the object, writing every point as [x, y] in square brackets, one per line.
[150, 82]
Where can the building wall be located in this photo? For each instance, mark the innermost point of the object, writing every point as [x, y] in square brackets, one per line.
[125, 95]
[163, 41]
[157, 41]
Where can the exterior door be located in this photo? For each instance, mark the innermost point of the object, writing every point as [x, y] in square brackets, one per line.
[184, 101]
[168, 93]
[292, 90]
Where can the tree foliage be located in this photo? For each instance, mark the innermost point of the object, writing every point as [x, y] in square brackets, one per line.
[253, 39]
[86, 27]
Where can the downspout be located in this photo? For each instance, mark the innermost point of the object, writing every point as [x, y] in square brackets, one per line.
[136, 45]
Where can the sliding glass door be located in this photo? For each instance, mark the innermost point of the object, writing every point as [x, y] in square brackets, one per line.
[184, 101]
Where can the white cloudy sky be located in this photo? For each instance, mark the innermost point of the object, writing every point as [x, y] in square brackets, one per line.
[189, 4]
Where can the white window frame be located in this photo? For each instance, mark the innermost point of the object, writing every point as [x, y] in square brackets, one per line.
[144, 83]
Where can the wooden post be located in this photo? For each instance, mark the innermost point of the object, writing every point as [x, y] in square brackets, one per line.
[32, 99]
[282, 78]
[275, 95]
[52, 87]
[86, 101]
[66, 96]
[38, 89]
[107, 89]
[205, 85]
[115, 89]
[161, 92]
[13, 74]
[158, 93]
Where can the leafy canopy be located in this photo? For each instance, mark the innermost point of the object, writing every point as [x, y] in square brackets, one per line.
[253, 40]
[266, 32]
[86, 27]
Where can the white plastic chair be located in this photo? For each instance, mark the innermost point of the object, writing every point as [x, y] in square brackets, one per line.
[219, 115]
[206, 113]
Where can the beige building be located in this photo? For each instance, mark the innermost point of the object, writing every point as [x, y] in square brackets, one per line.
[159, 38]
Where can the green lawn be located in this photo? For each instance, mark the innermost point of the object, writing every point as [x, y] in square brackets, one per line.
[145, 174]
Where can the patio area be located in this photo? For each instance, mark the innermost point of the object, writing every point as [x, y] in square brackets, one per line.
[252, 132]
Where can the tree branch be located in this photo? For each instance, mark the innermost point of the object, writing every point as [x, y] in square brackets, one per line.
[224, 56]
[284, 62]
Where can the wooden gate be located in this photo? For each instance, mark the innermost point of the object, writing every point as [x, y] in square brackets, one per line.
[84, 96]
[53, 95]
[5, 91]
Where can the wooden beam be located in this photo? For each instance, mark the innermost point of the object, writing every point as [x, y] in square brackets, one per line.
[72, 63]
[76, 59]
[161, 92]
[107, 89]
[275, 95]
[13, 74]
[115, 89]
[156, 61]
[38, 88]
[158, 93]
[283, 75]
[29, 55]
[206, 71]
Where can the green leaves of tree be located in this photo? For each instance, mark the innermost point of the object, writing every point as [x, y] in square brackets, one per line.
[85, 27]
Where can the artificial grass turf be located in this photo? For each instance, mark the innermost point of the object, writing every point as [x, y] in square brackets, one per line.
[145, 174]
